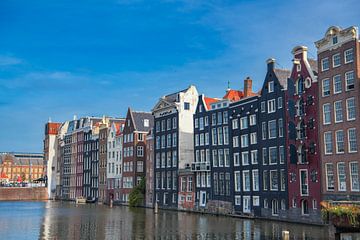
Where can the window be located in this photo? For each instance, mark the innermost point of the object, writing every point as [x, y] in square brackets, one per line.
[326, 87]
[256, 201]
[196, 123]
[263, 130]
[336, 60]
[252, 120]
[265, 180]
[272, 129]
[271, 106]
[354, 176]
[253, 138]
[350, 109]
[236, 141]
[168, 141]
[280, 102]
[196, 139]
[207, 141]
[271, 86]
[168, 124]
[220, 136]
[243, 123]
[337, 84]
[174, 122]
[227, 157]
[282, 180]
[202, 139]
[263, 107]
[272, 155]
[215, 158]
[335, 40]
[340, 146]
[352, 140]
[237, 200]
[246, 180]
[201, 123]
[140, 151]
[349, 55]
[225, 117]
[266, 203]
[300, 85]
[174, 140]
[236, 159]
[213, 119]
[174, 158]
[304, 182]
[163, 125]
[245, 158]
[254, 157]
[281, 127]
[235, 123]
[186, 106]
[221, 157]
[282, 154]
[226, 135]
[220, 118]
[324, 64]
[244, 140]
[140, 166]
[274, 180]
[328, 143]
[237, 181]
[157, 126]
[264, 156]
[341, 176]
[326, 113]
[275, 207]
[350, 80]
[206, 121]
[255, 179]
[338, 111]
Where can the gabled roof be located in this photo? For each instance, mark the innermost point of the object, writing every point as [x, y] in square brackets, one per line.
[233, 95]
[139, 118]
[282, 75]
[208, 101]
[313, 64]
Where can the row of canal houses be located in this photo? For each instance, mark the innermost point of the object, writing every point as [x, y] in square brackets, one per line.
[273, 153]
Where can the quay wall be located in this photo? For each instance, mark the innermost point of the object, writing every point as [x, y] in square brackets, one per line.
[26, 193]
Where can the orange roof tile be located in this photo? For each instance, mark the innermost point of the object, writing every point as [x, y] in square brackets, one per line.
[233, 95]
[209, 101]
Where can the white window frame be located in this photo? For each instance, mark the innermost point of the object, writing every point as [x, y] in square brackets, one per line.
[333, 60]
[349, 145]
[252, 120]
[345, 55]
[335, 112]
[347, 109]
[271, 105]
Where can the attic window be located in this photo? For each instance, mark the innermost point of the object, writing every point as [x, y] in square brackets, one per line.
[146, 122]
[271, 86]
[335, 40]
[186, 106]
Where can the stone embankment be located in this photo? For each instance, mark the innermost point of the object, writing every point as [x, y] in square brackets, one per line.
[21, 194]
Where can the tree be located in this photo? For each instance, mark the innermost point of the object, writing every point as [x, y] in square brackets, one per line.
[137, 195]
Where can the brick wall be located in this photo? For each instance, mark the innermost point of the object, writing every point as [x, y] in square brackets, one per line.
[11, 194]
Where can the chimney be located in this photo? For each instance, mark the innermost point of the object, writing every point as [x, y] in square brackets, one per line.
[247, 87]
[270, 64]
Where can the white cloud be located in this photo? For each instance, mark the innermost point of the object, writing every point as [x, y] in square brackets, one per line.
[8, 60]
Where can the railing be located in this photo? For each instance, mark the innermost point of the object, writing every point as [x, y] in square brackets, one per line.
[200, 166]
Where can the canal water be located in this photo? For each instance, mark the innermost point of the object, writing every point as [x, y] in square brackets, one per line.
[65, 220]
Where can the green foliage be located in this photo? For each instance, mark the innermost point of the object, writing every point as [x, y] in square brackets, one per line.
[351, 213]
[137, 195]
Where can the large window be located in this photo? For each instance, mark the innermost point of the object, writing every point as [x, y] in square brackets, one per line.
[214, 136]
[272, 129]
[354, 176]
[236, 159]
[274, 180]
[337, 84]
[215, 158]
[349, 55]
[255, 180]
[220, 136]
[282, 154]
[265, 180]
[226, 135]
[243, 123]
[271, 106]
[350, 80]
[246, 180]
[328, 143]
[236, 141]
[327, 113]
[263, 130]
[254, 157]
[341, 176]
[326, 87]
[252, 120]
[253, 138]
[350, 109]
[304, 182]
[281, 127]
[235, 123]
[272, 155]
[245, 158]
[324, 64]
[336, 60]
[330, 180]
[338, 111]
[244, 140]
[237, 181]
[352, 140]
[340, 146]
[264, 156]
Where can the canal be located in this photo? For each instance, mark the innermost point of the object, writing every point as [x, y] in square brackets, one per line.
[65, 220]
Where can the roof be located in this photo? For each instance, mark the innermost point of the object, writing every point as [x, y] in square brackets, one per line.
[282, 75]
[209, 101]
[313, 65]
[139, 118]
[21, 160]
[233, 95]
[173, 97]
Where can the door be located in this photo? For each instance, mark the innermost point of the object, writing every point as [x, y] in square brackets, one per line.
[246, 204]
[202, 198]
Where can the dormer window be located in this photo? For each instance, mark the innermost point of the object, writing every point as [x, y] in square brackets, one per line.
[200, 108]
[186, 106]
[146, 122]
[271, 86]
[335, 40]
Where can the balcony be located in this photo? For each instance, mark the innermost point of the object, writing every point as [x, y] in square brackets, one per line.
[200, 167]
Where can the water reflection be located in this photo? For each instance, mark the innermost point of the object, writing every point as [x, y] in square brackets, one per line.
[65, 220]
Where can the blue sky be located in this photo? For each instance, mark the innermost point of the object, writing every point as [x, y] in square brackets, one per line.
[97, 57]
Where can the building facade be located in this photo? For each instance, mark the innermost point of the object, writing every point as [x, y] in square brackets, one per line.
[149, 196]
[174, 142]
[339, 120]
